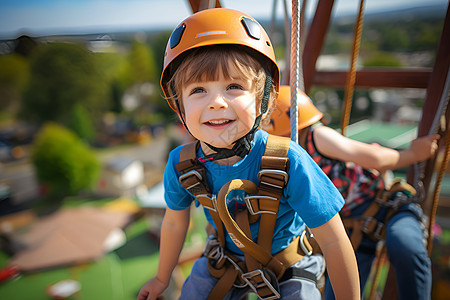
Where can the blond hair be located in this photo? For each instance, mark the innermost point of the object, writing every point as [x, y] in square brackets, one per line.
[207, 63]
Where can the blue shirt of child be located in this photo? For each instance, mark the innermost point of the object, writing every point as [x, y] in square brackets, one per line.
[309, 197]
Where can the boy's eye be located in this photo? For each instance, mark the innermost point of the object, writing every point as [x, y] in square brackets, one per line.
[235, 87]
[196, 91]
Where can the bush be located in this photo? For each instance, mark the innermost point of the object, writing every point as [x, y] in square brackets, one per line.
[63, 76]
[63, 162]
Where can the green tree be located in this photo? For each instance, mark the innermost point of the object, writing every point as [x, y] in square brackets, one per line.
[382, 59]
[142, 63]
[63, 162]
[14, 75]
[62, 77]
[81, 123]
[116, 68]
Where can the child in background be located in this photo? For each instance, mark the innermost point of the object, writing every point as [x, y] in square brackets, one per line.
[357, 170]
[221, 77]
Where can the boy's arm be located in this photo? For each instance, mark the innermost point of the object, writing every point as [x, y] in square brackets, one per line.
[370, 156]
[340, 258]
[173, 233]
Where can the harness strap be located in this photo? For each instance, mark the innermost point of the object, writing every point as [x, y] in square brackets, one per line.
[300, 274]
[193, 179]
[224, 284]
[242, 219]
[367, 224]
[237, 235]
[261, 271]
[273, 178]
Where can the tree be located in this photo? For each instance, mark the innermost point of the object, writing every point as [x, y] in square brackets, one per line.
[62, 77]
[80, 123]
[63, 162]
[382, 59]
[142, 63]
[14, 75]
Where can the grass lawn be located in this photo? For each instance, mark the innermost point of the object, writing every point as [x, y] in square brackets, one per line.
[117, 276]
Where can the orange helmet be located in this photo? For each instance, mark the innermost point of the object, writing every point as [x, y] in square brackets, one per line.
[280, 121]
[216, 26]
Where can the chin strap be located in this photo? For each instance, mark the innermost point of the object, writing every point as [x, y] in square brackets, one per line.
[243, 145]
[241, 148]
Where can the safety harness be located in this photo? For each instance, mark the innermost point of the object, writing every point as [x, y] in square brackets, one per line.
[259, 270]
[391, 199]
[398, 194]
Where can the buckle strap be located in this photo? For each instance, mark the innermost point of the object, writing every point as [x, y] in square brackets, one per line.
[263, 283]
[373, 228]
[208, 201]
[247, 245]
[257, 204]
[298, 273]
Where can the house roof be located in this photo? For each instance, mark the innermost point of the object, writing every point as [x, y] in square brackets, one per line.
[70, 236]
[120, 163]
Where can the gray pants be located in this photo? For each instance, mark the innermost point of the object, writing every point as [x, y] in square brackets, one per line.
[200, 283]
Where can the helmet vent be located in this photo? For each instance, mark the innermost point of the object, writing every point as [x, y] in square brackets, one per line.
[175, 38]
[252, 28]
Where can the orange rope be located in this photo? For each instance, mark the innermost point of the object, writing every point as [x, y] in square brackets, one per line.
[436, 192]
[351, 77]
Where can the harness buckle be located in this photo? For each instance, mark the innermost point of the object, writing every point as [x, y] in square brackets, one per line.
[274, 171]
[377, 232]
[250, 206]
[395, 201]
[189, 174]
[251, 278]
[213, 200]
[303, 246]
[236, 267]
[211, 243]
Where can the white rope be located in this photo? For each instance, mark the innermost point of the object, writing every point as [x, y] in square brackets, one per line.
[295, 66]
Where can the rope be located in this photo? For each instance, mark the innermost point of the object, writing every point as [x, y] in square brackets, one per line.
[295, 67]
[419, 167]
[351, 77]
[437, 189]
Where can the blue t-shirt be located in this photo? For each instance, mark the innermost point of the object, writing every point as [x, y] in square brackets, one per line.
[309, 197]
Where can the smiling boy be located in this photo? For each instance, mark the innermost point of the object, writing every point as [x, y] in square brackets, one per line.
[220, 76]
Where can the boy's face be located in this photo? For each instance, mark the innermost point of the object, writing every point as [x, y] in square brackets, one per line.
[220, 112]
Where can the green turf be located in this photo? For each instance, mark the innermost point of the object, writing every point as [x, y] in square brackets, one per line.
[118, 275]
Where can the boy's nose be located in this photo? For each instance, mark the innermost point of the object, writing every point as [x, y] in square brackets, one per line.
[217, 102]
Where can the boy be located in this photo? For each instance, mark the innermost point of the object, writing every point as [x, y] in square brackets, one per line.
[357, 170]
[221, 77]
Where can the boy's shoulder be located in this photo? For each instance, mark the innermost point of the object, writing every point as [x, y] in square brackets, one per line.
[174, 154]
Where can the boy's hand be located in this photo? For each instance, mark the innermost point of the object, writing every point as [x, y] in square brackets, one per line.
[152, 289]
[424, 147]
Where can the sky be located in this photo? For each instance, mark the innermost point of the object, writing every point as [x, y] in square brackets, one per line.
[47, 17]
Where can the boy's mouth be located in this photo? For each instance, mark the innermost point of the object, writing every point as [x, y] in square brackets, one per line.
[218, 123]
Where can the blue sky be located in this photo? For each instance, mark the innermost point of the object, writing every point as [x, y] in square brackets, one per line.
[41, 17]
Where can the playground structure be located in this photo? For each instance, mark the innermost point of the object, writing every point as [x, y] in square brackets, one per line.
[305, 47]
